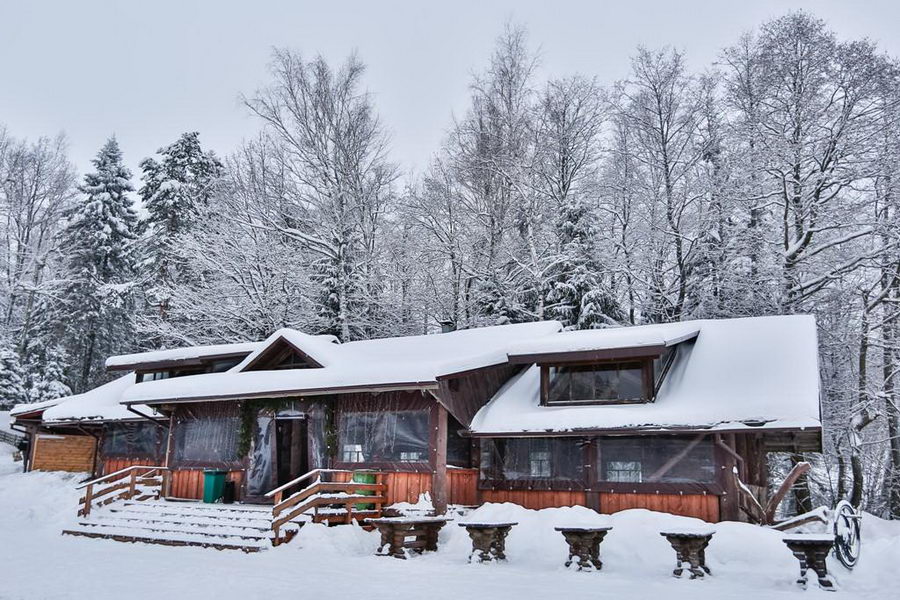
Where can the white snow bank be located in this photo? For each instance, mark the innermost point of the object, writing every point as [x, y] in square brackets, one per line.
[337, 562]
[4, 422]
[760, 372]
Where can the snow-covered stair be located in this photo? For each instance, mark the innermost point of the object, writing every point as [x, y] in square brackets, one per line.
[220, 526]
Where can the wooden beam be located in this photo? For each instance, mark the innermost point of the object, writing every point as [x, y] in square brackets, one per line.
[440, 486]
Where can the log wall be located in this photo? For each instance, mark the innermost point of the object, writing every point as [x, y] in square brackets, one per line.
[74, 453]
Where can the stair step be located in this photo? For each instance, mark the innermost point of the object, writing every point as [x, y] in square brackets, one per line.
[226, 535]
[220, 529]
[169, 540]
[199, 519]
[250, 510]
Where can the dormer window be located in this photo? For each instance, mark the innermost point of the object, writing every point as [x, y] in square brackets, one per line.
[601, 383]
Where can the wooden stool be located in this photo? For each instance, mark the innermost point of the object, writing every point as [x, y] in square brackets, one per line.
[811, 549]
[690, 547]
[584, 544]
[488, 540]
[395, 531]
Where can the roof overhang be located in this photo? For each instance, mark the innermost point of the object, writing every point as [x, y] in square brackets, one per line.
[653, 351]
[325, 391]
[804, 439]
[138, 365]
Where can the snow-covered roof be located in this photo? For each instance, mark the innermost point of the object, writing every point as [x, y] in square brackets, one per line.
[124, 361]
[643, 336]
[320, 348]
[738, 373]
[398, 362]
[103, 403]
[24, 409]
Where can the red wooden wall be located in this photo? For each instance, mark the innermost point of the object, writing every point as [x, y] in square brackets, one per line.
[188, 483]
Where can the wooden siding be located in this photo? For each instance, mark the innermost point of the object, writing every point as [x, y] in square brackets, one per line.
[73, 453]
[701, 506]
[111, 465]
[405, 486]
[463, 486]
[535, 499]
[188, 483]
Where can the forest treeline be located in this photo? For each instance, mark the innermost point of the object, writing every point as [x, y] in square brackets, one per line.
[765, 184]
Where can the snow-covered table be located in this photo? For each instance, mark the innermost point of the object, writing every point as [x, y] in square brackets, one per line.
[690, 547]
[811, 549]
[395, 531]
[488, 539]
[584, 544]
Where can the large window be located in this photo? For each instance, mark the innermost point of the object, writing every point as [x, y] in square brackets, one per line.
[383, 437]
[651, 459]
[207, 435]
[131, 439]
[597, 383]
[538, 463]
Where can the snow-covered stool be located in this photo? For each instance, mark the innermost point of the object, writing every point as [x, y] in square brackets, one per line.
[811, 549]
[488, 540]
[396, 531]
[690, 547]
[584, 545]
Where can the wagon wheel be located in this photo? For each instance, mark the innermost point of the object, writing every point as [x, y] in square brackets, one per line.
[846, 533]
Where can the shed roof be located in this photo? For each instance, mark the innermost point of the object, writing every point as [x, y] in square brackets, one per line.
[752, 373]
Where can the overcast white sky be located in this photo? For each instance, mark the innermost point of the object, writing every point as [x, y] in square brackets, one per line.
[149, 70]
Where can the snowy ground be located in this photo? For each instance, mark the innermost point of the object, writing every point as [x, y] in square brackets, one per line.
[37, 562]
[4, 422]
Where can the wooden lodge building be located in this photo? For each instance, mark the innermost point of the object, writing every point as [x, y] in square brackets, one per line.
[654, 416]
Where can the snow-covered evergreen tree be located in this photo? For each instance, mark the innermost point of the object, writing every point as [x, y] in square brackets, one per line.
[99, 240]
[12, 384]
[576, 294]
[176, 187]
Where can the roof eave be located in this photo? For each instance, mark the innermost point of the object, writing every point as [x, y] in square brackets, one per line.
[391, 387]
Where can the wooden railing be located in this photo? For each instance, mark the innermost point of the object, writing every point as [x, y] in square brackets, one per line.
[138, 481]
[322, 493]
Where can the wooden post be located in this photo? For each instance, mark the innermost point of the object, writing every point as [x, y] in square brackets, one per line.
[88, 498]
[440, 485]
[131, 483]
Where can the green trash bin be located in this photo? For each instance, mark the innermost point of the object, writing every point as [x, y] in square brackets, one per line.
[213, 485]
[364, 477]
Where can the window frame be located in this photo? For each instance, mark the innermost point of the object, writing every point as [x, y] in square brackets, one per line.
[648, 386]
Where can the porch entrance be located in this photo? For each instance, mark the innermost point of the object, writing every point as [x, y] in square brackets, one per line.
[291, 449]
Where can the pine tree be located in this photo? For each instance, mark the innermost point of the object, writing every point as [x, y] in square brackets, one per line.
[99, 238]
[176, 188]
[12, 388]
[575, 292]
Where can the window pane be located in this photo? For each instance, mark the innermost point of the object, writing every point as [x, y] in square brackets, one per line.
[582, 382]
[559, 385]
[379, 437]
[207, 435]
[630, 384]
[596, 383]
[656, 459]
[130, 439]
[539, 463]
